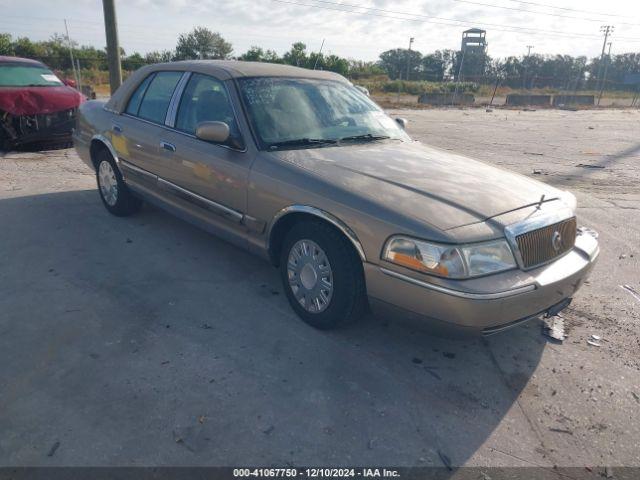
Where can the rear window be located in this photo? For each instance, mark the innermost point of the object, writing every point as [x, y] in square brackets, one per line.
[20, 75]
[156, 98]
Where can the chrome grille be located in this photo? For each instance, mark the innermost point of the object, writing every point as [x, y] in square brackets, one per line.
[538, 246]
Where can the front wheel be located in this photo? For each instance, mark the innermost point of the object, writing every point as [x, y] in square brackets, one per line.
[322, 276]
[115, 195]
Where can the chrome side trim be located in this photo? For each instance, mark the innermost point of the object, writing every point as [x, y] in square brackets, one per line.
[321, 214]
[198, 199]
[458, 293]
[172, 111]
[133, 168]
[533, 223]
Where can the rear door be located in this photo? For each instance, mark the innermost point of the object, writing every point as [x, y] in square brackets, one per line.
[136, 134]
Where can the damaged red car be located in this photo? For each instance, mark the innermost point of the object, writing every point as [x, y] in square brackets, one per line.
[36, 107]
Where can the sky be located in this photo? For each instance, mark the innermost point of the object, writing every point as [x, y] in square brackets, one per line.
[358, 29]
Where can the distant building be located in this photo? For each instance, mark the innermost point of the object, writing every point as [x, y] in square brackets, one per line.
[474, 40]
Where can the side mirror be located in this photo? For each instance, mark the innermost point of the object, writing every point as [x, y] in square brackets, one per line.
[217, 132]
[402, 122]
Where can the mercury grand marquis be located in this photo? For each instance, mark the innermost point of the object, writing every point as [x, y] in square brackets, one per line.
[302, 168]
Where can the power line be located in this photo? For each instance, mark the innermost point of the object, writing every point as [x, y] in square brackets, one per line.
[503, 7]
[569, 9]
[371, 11]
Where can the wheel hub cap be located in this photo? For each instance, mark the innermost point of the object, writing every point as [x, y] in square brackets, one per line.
[310, 276]
[108, 183]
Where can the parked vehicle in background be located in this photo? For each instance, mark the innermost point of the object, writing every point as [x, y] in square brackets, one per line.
[35, 105]
[304, 169]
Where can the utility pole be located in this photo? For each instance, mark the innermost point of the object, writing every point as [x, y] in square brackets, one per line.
[409, 56]
[607, 30]
[73, 63]
[604, 76]
[113, 47]
[526, 65]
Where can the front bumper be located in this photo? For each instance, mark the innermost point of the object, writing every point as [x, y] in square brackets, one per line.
[483, 305]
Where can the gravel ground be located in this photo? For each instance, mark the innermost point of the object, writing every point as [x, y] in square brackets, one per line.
[145, 341]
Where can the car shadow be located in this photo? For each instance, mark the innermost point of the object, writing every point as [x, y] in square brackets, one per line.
[144, 340]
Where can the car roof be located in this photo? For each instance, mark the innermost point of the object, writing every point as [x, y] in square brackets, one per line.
[26, 61]
[222, 69]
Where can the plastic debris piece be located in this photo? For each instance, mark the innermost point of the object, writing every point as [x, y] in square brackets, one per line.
[553, 327]
[592, 343]
[596, 338]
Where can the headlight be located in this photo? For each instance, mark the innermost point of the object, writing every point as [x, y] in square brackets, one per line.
[451, 261]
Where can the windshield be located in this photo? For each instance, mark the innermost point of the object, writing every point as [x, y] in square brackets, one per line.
[20, 75]
[309, 113]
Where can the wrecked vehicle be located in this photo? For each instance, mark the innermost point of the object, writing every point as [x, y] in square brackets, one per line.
[305, 170]
[36, 107]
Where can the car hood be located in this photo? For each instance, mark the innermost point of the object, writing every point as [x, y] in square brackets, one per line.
[38, 100]
[443, 189]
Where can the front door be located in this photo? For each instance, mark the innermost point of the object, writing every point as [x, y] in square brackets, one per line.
[211, 176]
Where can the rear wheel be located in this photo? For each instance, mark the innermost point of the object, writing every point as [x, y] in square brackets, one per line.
[322, 276]
[115, 195]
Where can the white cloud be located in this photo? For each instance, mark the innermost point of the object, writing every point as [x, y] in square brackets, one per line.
[155, 24]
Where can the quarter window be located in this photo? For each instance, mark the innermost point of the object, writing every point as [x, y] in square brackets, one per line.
[205, 99]
[151, 101]
[136, 98]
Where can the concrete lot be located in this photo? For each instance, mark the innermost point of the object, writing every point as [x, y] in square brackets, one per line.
[144, 341]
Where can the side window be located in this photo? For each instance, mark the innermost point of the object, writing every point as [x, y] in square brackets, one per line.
[156, 99]
[205, 99]
[136, 98]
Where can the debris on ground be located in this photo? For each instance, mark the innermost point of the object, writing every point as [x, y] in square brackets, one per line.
[593, 344]
[534, 153]
[430, 371]
[596, 338]
[269, 429]
[632, 291]
[489, 110]
[201, 419]
[591, 128]
[553, 327]
[537, 172]
[52, 450]
[635, 395]
[589, 165]
[445, 460]
[561, 430]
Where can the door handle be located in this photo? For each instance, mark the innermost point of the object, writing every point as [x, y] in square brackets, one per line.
[168, 146]
[116, 129]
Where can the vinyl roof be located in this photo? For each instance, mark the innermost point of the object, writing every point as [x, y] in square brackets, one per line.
[222, 69]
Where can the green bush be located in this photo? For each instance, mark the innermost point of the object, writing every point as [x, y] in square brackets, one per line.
[418, 88]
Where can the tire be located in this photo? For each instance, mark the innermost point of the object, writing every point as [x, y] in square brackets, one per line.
[114, 193]
[346, 300]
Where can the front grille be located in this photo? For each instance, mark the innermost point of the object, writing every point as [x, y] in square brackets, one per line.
[538, 246]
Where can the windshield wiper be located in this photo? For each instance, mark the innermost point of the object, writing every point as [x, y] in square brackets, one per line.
[366, 137]
[302, 142]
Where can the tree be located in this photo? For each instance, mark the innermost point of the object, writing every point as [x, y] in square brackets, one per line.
[6, 44]
[396, 61]
[158, 56]
[202, 43]
[257, 54]
[297, 55]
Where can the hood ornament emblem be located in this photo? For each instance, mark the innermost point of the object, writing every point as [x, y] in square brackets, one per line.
[556, 241]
